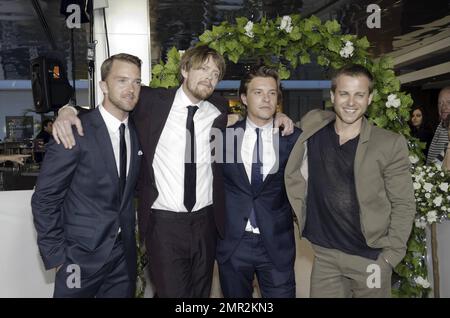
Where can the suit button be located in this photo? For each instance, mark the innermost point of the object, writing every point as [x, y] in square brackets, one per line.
[245, 219]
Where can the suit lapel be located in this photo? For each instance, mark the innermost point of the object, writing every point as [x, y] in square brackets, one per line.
[157, 117]
[362, 145]
[102, 138]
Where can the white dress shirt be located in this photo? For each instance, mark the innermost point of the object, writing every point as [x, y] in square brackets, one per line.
[268, 158]
[113, 124]
[168, 163]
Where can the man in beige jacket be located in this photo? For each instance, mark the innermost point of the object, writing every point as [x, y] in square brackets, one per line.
[350, 186]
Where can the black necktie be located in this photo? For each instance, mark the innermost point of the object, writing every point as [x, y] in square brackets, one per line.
[257, 173]
[123, 161]
[190, 168]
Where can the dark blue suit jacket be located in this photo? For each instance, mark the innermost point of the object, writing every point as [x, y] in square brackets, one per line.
[273, 212]
[76, 206]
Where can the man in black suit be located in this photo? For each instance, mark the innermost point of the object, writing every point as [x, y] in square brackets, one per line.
[181, 204]
[83, 204]
[259, 228]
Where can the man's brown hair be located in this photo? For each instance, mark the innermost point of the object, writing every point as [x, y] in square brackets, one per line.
[195, 57]
[124, 57]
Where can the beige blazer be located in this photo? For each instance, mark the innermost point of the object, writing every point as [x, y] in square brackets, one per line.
[382, 178]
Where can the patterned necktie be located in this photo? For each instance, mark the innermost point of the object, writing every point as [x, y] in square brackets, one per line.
[257, 173]
[190, 168]
[123, 161]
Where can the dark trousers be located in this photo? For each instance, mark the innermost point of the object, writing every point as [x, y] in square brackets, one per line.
[111, 281]
[181, 249]
[250, 258]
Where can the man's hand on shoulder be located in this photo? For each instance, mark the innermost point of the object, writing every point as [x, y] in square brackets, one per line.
[282, 120]
[62, 127]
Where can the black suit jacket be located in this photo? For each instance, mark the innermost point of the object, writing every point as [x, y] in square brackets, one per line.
[274, 214]
[76, 206]
[150, 116]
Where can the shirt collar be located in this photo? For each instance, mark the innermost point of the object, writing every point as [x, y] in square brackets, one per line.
[253, 126]
[182, 100]
[112, 123]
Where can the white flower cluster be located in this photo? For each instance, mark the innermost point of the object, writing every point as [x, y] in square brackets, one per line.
[430, 189]
[286, 24]
[249, 29]
[393, 101]
[347, 50]
[419, 280]
[413, 159]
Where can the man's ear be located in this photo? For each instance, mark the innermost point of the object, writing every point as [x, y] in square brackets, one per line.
[184, 73]
[244, 99]
[370, 98]
[103, 87]
[332, 96]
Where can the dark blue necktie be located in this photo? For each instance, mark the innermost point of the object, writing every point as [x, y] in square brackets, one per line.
[123, 161]
[257, 173]
[190, 168]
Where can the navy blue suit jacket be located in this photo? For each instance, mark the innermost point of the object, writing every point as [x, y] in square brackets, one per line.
[76, 206]
[273, 212]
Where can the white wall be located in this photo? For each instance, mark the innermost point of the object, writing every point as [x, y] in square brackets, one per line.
[128, 27]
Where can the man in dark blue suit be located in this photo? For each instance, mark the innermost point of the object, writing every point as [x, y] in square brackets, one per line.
[259, 228]
[83, 204]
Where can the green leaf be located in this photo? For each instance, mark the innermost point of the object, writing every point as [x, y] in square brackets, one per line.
[334, 45]
[305, 58]
[295, 33]
[363, 43]
[241, 22]
[206, 37]
[332, 26]
[283, 72]
[313, 38]
[321, 60]
[157, 69]
[231, 45]
[380, 121]
[233, 56]
[218, 30]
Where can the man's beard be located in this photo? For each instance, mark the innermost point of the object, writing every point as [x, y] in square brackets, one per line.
[201, 94]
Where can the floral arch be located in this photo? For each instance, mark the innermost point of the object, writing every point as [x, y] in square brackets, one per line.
[288, 41]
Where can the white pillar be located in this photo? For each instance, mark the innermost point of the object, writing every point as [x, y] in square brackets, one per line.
[128, 28]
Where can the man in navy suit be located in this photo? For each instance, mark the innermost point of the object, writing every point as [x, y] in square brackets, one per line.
[83, 204]
[259, 229]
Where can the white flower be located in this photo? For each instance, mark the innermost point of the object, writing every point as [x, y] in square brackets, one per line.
[393, 101]
[181, 52]
[416, 185]
[248, 29]
[443, 186]
[347, 50]
[428, 186]
[427, 195]
[438, 201]
[286, 24]
[431, 216]
[420, 223]
[431, 174]
[414, 159]
[422, 282]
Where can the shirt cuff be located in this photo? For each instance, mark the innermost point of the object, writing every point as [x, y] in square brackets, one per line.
[69, 107]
